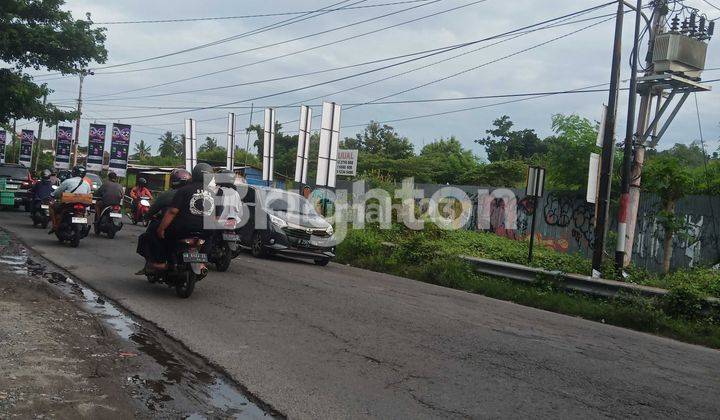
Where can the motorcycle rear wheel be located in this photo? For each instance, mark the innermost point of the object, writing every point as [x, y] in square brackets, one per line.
[75, 241]
[186, 284]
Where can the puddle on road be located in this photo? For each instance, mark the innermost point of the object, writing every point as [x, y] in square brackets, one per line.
[171, 381]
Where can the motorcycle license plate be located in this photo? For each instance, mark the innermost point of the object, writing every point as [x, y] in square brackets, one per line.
[231, 237]
[44, 206]
[116, 215]
[79, 220]
[12, 186]
[194, 257]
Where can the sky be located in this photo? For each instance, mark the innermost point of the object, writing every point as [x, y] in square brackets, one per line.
[566, 57]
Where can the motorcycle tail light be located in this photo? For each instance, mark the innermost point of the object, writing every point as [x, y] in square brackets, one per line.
[192, 241]
[79, 207]
[230, 224]
[116, 209]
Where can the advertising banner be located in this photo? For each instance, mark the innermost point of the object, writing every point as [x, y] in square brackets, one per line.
[96, 147]
[3, 137]
[26, 146]
[119, 147]
[62, 147]
[347, 162]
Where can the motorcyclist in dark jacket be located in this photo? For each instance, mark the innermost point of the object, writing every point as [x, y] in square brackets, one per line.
[41, 190]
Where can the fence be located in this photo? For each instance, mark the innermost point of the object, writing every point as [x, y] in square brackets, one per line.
[566, 224]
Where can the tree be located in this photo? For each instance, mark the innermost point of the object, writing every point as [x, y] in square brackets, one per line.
[447, 161]
[505, 144]
[210, 145]
[285, 149]
[568, 152]
[142, 150]
[690, 155]
[37, 34]
[381, 140]
[170, 146]
[505, 174]
[671, 180]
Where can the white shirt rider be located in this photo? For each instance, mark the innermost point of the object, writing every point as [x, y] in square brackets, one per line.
[70, 185]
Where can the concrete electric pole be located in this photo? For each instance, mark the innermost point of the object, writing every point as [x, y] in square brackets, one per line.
[83, 73]
[606, 163]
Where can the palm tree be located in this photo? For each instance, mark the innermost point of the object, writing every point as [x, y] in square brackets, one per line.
[169, 145]
[142, 150]
[210, 145]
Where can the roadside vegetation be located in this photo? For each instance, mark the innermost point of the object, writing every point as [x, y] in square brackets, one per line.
[431, 256]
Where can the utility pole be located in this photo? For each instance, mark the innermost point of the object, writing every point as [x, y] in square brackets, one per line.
[39, 137]
[632, 176]
[603, 208]
[83, 73]
[14, 141]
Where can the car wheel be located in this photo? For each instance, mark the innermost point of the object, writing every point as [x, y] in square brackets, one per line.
[258, 248]
[322, 262]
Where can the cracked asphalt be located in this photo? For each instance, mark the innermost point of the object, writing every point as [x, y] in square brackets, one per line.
[340, 342]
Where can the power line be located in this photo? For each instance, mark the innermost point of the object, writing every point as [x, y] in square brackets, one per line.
[375, 69]
[275, 44]
[293, 52]
[258, 15]
[274, 79]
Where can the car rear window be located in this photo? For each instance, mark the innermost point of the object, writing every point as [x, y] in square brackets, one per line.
[13, 172]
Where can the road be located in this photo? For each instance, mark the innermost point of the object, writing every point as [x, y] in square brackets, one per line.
[340, 342]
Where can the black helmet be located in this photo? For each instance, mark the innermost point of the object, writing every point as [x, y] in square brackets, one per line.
[112, 176]
[225, 178]
[179, 178]
[142, 182]
[200, 170]
[79, 171]
[45, 174]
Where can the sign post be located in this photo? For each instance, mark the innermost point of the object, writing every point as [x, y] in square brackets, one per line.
[190, 144]
[119, 147]
[3, 140]
[96, 147]
[303, 149]
[63, 143]
[27, 137]
[230, 164]
[535, 188]
[268, 146]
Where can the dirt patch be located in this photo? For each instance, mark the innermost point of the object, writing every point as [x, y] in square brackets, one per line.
[57, 361]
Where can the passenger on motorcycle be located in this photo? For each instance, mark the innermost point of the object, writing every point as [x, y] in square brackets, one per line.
[41, 190]
[186, 214]
[137, 192]
[110, 193]
[74, 185]
[149, 246]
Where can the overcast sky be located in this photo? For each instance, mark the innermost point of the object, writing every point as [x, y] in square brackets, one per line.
[576, 61]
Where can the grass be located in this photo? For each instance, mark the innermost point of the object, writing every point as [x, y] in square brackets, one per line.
[431, 256]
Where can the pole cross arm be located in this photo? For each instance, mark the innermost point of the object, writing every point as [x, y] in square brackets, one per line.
[656, 119]
[670, 119]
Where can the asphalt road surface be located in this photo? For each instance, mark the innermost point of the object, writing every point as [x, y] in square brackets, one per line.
[340, 342]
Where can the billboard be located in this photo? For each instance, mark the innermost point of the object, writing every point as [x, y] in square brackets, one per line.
[63, 144]
[119, 148]
[190, 144]
[96, 147]
[303, 149]
[3, 141]
[347, 162]
[268, 145]
[27, 138]
[329, 141]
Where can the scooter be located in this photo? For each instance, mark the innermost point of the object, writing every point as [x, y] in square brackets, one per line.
[186, 266]
[41, 213]
[224, 246]
[73, 223]
[109, 222]
[142, 207]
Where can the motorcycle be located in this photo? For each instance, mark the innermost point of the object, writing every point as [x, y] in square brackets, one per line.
[41, 212]
[142, 207]
[73, 223]
[186, 266]
[109, 222]
[224, 246]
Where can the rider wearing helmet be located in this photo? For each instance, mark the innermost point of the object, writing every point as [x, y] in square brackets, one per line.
[110, 193]
[149, 245]
[41, 190]
[137, 192]
[74, 185]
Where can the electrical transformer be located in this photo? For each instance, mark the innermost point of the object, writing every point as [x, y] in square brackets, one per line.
[679, 54]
